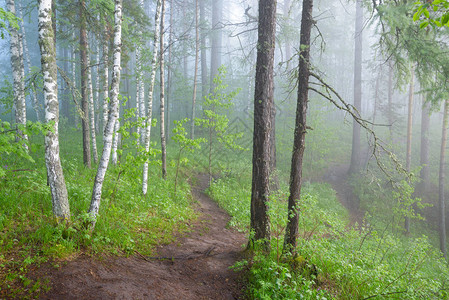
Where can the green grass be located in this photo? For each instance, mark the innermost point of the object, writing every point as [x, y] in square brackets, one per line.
[127, 221]
[333, 260]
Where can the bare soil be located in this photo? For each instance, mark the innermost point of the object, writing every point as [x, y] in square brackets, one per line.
[196, 266]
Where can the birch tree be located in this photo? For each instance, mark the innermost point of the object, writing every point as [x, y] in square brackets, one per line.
[157, 21]
[18, 71]
[105, 77]
[91, 103]
[112, 115]
[55, 176]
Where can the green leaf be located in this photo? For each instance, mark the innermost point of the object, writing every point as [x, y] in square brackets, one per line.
[415, 17]
[424, 24]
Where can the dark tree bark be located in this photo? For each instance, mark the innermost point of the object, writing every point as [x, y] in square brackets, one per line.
[424, 161]
[408, 154]
[84, 93]
[356, 154]
[216, 40]
[162, 95]
[263, 126]
[291, 232]
[441, 178]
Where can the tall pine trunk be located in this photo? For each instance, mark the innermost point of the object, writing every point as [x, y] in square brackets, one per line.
[162, 93]
[55, 176]
[425, 146]
[216, 41]
[263, 122]
[26, 55]
[84, 85]
[112, 115]
[441, 178]
[356, 155]
[169, 72]
[157, 21]
[408, 153]
[291, 232]
[195, 75]
[203, 50]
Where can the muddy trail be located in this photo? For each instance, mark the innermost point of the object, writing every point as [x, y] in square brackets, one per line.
[195, 266]
[337, 177]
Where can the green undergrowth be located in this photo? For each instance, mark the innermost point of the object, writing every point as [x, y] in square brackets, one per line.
[128, 222]
[334, 261]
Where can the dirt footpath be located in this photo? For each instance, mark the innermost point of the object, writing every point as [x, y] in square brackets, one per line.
[194, 267]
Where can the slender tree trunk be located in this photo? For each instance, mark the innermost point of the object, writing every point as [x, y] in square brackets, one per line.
[424, 157]
[138, 100]
[169, 71]
[26, 53]
[356, 155]
[18, 72]
[408, 154]
[105, 76]
[73, 58]
[91, 103]
[141, 86]
[157, 21]
[390, 100]
[113, 115]
[116, 137]
[203, 50]
[84, 86]
[162, 88]
[263, 122]
[60, 203]
[291, 232]
[441, 178]
[216, 40]
[197, 52]
[288, 47]
[97, 87]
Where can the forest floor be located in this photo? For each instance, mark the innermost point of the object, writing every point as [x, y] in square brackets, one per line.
[337, 176]
[195, 266]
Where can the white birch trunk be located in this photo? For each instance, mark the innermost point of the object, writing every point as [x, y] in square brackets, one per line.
[150, 94]
[138, 129]
[60, 203]
[28, 62]
[162, 100]
[105, 79]
[142, 108]
[18, 72]
[91, 103]
[97, 89]
[112, 115]
[116, 138]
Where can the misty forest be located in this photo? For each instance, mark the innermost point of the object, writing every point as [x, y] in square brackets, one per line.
[212, 149]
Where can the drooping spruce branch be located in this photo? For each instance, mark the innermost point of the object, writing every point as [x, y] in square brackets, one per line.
[378, 145]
